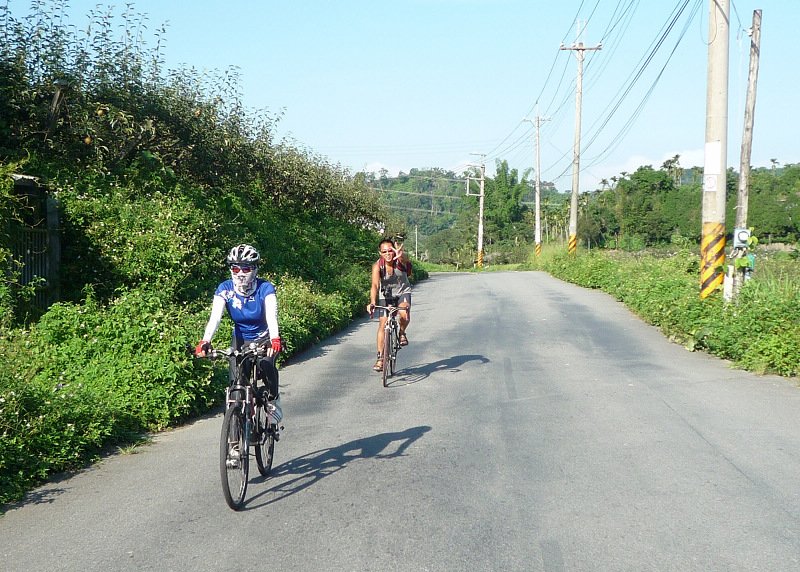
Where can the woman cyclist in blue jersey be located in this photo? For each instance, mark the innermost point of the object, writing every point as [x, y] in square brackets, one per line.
[252, 304]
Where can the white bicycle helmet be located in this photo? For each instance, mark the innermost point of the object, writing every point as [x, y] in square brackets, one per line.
[243, 254]
[240, 257]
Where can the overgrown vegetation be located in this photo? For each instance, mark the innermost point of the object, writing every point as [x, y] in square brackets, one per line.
[158, 173]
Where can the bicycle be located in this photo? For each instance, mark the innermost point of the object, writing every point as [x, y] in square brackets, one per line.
[246, 424]
[391, 339]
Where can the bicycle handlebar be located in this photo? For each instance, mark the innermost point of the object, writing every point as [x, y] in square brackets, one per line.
[248, 350]
[390, 308]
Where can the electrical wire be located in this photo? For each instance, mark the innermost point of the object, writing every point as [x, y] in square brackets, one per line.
[644, 61]
[492, 152]
[629, 84]
[617, 139]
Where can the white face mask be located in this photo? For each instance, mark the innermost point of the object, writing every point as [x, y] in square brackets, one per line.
[244, 283]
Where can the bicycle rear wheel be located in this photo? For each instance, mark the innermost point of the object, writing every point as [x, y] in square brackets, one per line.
[234, 465]
[387, 346]
[265, 446]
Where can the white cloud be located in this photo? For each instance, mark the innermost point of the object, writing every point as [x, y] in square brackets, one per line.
[689, 158]
[376, 166]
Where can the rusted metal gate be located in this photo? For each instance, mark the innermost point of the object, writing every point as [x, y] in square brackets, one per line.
[35, 242]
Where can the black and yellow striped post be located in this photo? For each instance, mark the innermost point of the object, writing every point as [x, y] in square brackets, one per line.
[480, 259]
[538, 249]
[712, 244]
[572, 245]
[712, 256]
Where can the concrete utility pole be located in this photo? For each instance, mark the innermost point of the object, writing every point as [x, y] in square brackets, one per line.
[712, 246]
[579, 50]
[480, 207]
[741, 231]
[537, 123]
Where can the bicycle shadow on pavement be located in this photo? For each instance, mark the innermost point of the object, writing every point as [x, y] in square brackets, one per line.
[307, 470]
[415, 374]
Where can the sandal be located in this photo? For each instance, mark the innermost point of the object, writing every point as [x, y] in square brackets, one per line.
[403, 340]
[378, 365]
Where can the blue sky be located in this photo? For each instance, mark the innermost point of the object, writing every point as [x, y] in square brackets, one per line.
[374, 84]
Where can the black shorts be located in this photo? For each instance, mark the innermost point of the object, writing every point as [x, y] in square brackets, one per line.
[400, 299]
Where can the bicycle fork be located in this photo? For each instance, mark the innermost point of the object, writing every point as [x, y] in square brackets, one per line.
[233, 398]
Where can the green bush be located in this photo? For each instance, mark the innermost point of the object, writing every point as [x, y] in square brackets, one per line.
[158, 174]
[306, 316]
[86, 377]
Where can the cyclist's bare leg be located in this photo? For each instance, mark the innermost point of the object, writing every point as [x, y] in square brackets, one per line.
[381, 325]
[404, 318]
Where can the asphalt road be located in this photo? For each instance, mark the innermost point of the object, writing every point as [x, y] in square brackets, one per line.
[533, 425]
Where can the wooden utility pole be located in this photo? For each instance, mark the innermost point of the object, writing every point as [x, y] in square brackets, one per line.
[740, 250]
[579, 50]
[712, 246]
[749, 116]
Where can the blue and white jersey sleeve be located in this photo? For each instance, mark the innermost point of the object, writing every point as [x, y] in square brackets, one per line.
[271, 313]
[217, 309]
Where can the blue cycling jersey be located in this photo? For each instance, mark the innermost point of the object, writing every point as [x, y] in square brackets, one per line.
[247, 312]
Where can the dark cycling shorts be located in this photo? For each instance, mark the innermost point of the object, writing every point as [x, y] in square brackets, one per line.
[380, 312]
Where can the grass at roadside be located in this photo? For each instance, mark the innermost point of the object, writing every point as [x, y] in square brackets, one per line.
[759, 332]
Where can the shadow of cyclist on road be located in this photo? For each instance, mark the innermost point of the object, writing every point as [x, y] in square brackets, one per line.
[415, 374]
[308, 469]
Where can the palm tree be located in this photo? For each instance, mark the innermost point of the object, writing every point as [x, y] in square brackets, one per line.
[673, 167]
[678, 170]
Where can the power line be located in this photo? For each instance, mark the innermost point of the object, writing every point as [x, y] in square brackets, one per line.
[426, 211]
[430, 178]
[629, 123]
[429, 195]
[633, 78]
[493, 153]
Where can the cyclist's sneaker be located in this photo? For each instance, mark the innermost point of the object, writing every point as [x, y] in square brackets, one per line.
[403, 340]
[261, 394]
[378, 365]
[274, 411]
[232, 461]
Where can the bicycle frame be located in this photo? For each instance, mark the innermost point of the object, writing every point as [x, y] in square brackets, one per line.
[235, 389]
[391, 341]
[245, 425]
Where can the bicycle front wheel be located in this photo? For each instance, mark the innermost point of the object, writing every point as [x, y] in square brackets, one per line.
[265, 445]
[386, 351]
[234, 463]
[394, 344]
